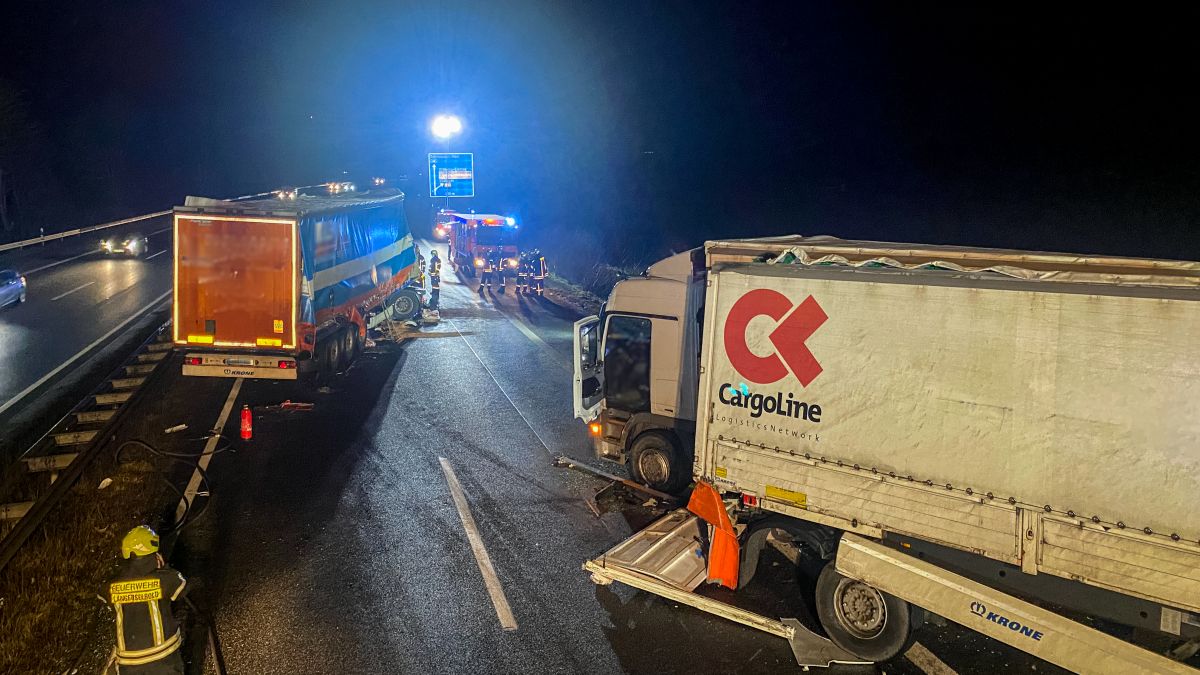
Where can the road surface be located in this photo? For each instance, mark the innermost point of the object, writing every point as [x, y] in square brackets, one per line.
[77, 299]
[414, 522]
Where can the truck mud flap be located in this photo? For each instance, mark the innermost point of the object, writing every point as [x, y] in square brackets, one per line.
[667, 559]
[1027, 627]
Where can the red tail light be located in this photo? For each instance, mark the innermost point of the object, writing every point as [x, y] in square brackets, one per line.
[193, 361]
[749, 499]
[287, 364]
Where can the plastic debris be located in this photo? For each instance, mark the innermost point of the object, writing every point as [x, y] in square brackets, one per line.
[104, 483]
[288, 405]
[650, 502]
[177, 427]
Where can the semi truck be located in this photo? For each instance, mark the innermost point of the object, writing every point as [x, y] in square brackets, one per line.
[286, 287]
[1007, 439]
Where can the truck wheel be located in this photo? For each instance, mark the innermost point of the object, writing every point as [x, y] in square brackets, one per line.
[331, 360]
[349, 344]
[405, 305]
[863, 620]
[656, 461]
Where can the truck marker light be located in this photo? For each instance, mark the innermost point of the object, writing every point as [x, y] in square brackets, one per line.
[594, 428]
[200, 339]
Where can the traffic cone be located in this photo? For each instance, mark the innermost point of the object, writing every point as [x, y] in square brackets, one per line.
[247, 423]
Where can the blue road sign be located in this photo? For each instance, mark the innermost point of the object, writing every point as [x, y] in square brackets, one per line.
[451, 174]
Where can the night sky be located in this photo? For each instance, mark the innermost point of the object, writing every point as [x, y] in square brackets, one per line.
[625, 130]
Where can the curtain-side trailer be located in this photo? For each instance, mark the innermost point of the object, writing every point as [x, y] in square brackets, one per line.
[974, 432]
[277, 288]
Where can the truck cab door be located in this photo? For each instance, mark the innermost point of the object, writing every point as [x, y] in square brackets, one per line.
[588, 378]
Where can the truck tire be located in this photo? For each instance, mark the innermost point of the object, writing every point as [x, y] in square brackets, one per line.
[349, 345]
[863, 620]
[406, 304]
[656, 461]
[330, 361]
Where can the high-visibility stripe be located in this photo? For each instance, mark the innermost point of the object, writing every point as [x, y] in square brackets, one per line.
[155, 622]
[142, 657]
[120, 628]
[182, 583]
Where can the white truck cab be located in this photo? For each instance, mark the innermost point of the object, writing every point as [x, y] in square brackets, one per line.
[637, 371]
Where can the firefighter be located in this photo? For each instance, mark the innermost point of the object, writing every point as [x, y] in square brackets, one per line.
[435, 279]
[537, 272]
[523, 273]
[489, 271]
[501, 271]
[141, 593]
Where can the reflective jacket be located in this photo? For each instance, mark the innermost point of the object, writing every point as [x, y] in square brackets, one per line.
[141, 595]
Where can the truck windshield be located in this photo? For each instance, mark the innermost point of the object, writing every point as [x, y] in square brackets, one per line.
[488, 235]
[627, 364]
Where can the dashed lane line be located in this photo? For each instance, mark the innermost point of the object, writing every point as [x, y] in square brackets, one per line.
[155, 255]
[193, 486]
[494, 588]
[25, 392]
[924, 659]
[60, 296]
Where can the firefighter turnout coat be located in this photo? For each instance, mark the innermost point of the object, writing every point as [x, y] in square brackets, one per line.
[141, 595]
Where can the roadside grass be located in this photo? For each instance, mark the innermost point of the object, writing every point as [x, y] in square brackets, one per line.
[585, 291]
[51, 620]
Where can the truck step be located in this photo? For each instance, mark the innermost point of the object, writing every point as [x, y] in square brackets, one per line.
[127, 382]
[14, 511]
[151, 357]
[140, 369]
[74, 437]
[50, 462]
[160, 346]
[86, 416]
[113, 397]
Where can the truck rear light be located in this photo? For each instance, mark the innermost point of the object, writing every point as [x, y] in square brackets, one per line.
[287, 364]
[594, 428]
[749, 499]
[193, 361]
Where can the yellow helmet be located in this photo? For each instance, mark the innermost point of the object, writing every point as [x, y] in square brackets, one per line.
[141, 540]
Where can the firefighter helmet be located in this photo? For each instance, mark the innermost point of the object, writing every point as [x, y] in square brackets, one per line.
[141, 540]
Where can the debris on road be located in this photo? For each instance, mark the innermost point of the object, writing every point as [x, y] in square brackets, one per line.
[177, 427]
[563, 461]
[104, 483]
[287, 406]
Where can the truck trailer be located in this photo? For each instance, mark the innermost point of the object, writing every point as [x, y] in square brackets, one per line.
[286, 287]
[979, 433]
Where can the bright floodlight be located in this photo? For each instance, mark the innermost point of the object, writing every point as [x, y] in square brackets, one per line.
[510, 220]
[445, 126]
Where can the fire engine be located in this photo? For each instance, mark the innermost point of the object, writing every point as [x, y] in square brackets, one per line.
[475, 236]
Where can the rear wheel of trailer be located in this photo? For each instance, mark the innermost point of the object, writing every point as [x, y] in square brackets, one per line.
[863, 620]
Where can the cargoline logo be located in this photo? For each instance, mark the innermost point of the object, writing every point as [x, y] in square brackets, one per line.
[980, 610]
[795, 324]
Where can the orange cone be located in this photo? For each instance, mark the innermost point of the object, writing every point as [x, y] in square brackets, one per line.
[723, 554]
[247, 423]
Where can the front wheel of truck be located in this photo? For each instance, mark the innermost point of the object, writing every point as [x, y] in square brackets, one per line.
[406, 304]
[656, 461]
[862, 619]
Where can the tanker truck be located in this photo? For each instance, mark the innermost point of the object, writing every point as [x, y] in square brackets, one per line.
[1007, 439]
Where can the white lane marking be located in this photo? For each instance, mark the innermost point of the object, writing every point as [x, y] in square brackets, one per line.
[55, 264]
[155, 255]
[193, 485]
[25, 392]
[926, 661]
[494, 589]
[77, 288]
[497, 383]
[165, 229]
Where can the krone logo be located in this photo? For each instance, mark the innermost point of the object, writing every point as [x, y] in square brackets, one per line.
[794, 325]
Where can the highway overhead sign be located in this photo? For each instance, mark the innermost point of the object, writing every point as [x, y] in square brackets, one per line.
[451, 174]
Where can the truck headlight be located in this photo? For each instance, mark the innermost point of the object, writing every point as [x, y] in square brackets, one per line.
[479, 262]
[512, 262]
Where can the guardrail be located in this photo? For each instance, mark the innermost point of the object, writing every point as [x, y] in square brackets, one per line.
[77, 231]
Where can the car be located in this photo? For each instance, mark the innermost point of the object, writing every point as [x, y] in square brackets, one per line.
[134, 245]
[12, 288]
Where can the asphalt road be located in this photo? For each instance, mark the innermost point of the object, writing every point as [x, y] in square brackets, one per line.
[76, 297]
[334, 541]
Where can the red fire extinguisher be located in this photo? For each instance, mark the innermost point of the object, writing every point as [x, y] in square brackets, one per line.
[247, 423]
